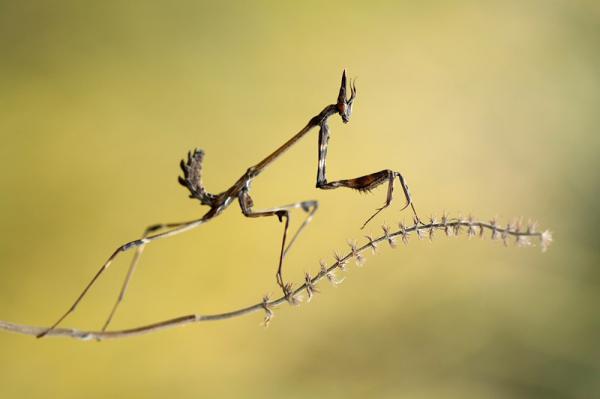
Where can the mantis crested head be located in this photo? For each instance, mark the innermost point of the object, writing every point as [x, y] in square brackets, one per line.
[344, 104]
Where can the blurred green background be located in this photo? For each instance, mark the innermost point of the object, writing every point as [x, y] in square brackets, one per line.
[485, 107]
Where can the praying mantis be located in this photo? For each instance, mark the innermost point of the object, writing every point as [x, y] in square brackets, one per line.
[240, 191]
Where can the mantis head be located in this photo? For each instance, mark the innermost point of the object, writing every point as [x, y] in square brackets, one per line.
[344, 104]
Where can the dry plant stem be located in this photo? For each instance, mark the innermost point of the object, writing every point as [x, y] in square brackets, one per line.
[448, 226]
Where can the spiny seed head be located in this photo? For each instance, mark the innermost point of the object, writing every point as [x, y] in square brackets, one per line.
[388, 237]
[333, 279]
[445, 226]
[323, 267]
[371, 244]
[471, 231]
[546, 240]
[494, 223]
[448, 230]
[471, 228]
[268, 312]
[458, 224]
[358, 258]
[457, 227]
[418, 231]
[310, 287]
[330, 274]
[403, 233]
[518, 225]
[531, 227]
[341, 262]
[290, 296]
[505, 235]
[523, 241]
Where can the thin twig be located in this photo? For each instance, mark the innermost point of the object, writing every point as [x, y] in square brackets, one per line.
[522, 238]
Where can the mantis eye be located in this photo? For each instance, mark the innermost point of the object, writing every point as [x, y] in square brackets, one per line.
[349, 109]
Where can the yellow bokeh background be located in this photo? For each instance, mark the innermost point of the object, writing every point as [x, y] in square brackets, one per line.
[490, 108]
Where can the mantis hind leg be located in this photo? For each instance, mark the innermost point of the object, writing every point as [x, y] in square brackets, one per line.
[282, 212]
